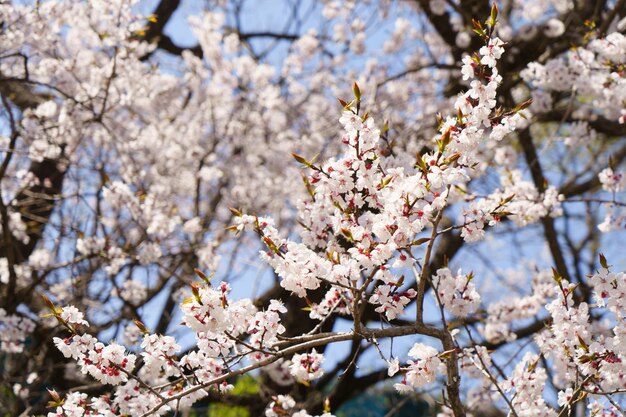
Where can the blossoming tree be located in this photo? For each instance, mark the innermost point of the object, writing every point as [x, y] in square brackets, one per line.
[464, 201]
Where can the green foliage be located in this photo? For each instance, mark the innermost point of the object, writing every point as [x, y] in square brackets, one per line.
[244, 385]
[222, 410]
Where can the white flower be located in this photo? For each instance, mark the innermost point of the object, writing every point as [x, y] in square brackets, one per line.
[71, 314]
[394, 366]
[463, 40]
[554, 28]
[280, 406]
[565, 397]
[402, 388]
[456, 292]
[612, 181]
[437, 7]
[467, 70]
[133, 292]
[307, 366]
[424, 369]
[492, 52]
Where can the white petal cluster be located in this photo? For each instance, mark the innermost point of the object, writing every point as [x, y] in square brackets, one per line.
[423, 370]
[109, 364]
[502, 313]
[612, 181]
[307, 366]
[528, 381]
[585, 71]
[72, 315]
[265, 326]
[457, 293]
[285, 405]
[390, 300]
[14, 330]
[208, 310]
[159, 355]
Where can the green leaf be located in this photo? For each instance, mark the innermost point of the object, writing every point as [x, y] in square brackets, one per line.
[420, 241]
[421, 164]
[494, 14]
[300, 159]
[582, 344]
[507, 200]
[603, 261]
[357, 91]
[202, 276]
[235, 212]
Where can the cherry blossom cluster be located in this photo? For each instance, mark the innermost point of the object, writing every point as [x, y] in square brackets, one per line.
[502, 313]
[307, 366]
[420, 372]
[220, 327]
[587, 71]
[613, 181]
[336, 301]
[583, 359]
[456, 293]
[285, 405]
[159, 354]
[528, 380]
[364, 210]
[391, 301]
[108, 364]
[476, 106]
[111, 364]
[14, 330]
[155, 155]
